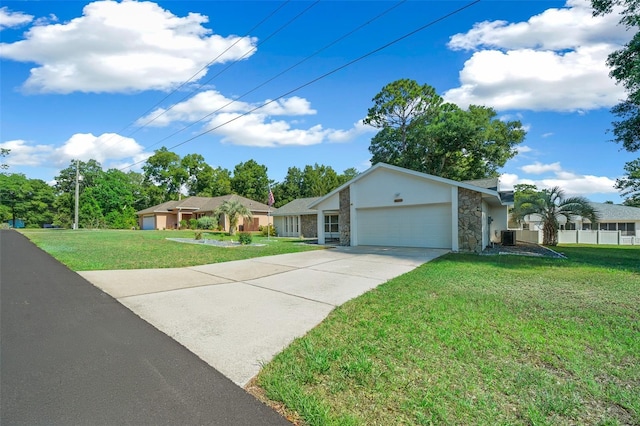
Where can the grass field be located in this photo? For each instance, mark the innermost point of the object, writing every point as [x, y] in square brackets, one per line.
[88, 250]
[482, 340]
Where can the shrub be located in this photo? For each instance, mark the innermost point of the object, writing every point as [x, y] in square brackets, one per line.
[198, 235]
[207, 222]
[267, 231]
[193, 223]
[183, 224]
[245, 238]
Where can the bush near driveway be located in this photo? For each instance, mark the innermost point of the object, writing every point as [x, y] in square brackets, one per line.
[475, 340]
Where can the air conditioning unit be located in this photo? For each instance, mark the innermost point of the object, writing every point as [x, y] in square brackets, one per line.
[508, 238]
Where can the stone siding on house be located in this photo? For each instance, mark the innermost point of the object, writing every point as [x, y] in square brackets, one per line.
[309, 225]
[469, 220]
[344, 217]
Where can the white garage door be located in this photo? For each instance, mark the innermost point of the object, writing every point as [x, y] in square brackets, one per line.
[411, 226]
[148, 222]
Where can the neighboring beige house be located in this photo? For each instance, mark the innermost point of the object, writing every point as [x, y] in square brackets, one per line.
[392, 206]
[168, 215]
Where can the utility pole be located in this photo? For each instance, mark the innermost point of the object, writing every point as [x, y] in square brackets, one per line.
[75, 219]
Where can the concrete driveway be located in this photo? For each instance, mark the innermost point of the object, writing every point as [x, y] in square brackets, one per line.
[237, 315]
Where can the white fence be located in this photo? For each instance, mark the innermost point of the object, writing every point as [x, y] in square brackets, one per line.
[580, 237]
[529, 236]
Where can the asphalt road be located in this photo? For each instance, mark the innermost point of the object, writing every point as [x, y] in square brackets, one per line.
[72, 355]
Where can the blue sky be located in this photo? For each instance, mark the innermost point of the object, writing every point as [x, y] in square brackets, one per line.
[86, 79]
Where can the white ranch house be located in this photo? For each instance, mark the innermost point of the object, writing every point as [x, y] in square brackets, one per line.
[392, 206]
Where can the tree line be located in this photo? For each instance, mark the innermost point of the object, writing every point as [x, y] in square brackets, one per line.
[110, 198]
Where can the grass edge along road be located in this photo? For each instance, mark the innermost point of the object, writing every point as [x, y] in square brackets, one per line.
[91, 250]
[470, 339]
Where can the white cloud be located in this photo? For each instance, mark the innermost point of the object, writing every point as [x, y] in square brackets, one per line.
[122, 47]
[104, 148]
[539, 168]
[288, 106]
[109, 149]
[359, 128]
[256, 130]
[573, 184]
[554, 29]
[542, 64]
[9, 19]
[211, 102]
[24, 154]
[523, 149]
[250, 124]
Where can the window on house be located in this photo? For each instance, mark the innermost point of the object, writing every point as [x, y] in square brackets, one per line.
[331, 223]
[525, 226]
[586, 227]
[628, 229]
[608, 227]
[291, 224]
[570, 226]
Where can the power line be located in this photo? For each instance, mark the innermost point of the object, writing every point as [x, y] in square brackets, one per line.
[339, 39]
[226, 68]
[184, 83]
[322, 76]
[212, 61]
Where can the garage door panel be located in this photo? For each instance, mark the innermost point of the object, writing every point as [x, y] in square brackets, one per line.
[412, 226]
[148, 223]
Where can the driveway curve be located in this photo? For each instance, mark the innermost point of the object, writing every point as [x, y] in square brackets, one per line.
[237, 315]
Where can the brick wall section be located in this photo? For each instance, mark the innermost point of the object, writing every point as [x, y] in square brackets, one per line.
[309, 225]
[344, 217]
[469, 220]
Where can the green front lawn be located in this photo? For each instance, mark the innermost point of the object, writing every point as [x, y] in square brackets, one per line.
[482, 340]
[88, 250]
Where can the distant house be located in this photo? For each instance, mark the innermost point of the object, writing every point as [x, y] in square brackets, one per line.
[296, 219]
[613, 217]
[169, 214]
[618, 225]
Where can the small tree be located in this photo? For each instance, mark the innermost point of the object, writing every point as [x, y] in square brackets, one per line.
[550, 204]
[233, 210]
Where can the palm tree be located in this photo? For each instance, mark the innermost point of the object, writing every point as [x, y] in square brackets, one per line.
[233, 209]
[550, 204]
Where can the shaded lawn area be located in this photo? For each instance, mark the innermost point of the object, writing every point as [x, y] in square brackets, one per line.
[472, 339]
[90, 250]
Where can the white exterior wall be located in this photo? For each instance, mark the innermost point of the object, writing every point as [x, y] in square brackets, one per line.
[379, 189]
[330, 204]
[500, 216]
[278, 222]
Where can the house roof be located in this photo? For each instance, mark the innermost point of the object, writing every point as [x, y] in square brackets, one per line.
[616, 212]
[204, 204]
[160, 208]
[296, 207]
[409, 172]
[489, 183]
